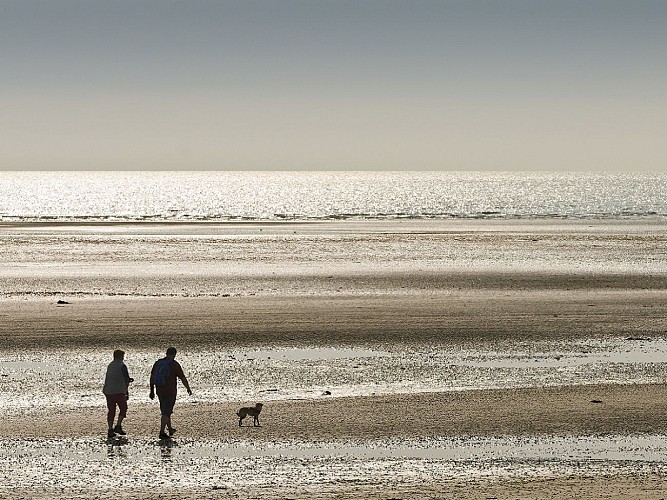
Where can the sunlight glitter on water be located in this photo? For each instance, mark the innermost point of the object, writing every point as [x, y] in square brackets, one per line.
[143, 463]
[326, 195]
[32, 381]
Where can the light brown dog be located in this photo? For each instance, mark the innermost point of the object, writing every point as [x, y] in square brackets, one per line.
[252, 411]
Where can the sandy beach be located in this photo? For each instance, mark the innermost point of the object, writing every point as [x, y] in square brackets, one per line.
[420, 379]
[524, 416]
[355, 425]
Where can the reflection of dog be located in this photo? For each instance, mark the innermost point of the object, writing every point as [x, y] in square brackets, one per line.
[252, 411]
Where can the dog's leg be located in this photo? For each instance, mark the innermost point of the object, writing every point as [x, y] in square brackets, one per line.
[240, 420]
[256, 421]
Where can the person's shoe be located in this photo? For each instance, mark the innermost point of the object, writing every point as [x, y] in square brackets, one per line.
[172, 431]
[119, 430]
[164, 435]
[111, 433]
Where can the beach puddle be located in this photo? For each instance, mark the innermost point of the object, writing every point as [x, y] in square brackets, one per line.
[141, 463]
[628, 352]
[313, 354]
[31, 381]
[642, 448]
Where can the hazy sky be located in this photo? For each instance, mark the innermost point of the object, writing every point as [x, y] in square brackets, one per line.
[308, 84]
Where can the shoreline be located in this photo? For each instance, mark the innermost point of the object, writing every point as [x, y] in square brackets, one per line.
[401, 225]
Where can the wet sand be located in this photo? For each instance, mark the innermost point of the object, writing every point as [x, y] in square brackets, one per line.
[527, 309]
[556, 308]
[552, 412]
[567, 411]
[530, 307]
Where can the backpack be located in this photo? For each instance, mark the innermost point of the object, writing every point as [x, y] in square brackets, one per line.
[162, 371]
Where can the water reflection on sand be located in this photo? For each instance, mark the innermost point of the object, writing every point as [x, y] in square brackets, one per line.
[140, 462]
[30, 381]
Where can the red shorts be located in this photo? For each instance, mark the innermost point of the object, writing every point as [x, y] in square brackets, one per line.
[117, 399]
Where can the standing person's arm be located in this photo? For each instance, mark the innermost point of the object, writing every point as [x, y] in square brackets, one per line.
[126, 375]
[151, 383]
[127, 379]
[178, 371]
[181, 375]
[186, 385]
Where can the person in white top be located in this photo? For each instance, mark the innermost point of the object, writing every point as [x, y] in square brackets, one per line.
[116, 390]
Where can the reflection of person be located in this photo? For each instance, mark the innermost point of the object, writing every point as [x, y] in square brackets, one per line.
[164, 373]
[116, 384]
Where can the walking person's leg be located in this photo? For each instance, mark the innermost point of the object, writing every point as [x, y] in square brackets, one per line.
[111, 414]
[165, 423]
[166, 409]
[122, 413]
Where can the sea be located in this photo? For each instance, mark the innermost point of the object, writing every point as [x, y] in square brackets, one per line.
[211, 234]
[272, 196]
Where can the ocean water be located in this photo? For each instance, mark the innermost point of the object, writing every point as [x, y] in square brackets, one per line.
[290, 233]
[268, 196]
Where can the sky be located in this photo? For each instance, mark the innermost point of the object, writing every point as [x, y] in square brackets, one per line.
[536, 85]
